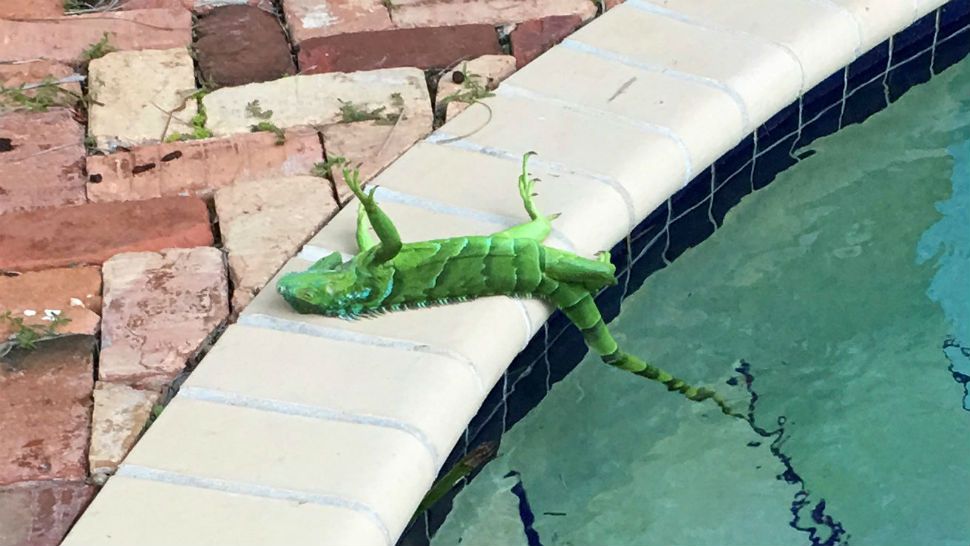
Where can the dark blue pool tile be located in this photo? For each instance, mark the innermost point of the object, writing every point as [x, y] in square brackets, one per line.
[864, 102]
[772, 161]
[609, 300]
[954, 16]
[913, 72]
[527, 389]
[915, 39]
[818, 99]
[730, 190]
[869, 66]
[648, 260]
[416, 534]
[822, 124]
[697, 190]
[483, 427]
[734, 159]
[690, 230]
[534, 352]
[564, 354]
[780, 126]
[952, 50]
[620, 256]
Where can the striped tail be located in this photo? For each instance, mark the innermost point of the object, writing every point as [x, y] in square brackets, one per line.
[577, 303]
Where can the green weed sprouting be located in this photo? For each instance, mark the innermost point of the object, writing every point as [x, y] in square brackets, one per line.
[198, 121]
[40, 97]
[26, 336]
[325, 168]
[98, 49]
[472, 89]
[351, 112]
[254, 110]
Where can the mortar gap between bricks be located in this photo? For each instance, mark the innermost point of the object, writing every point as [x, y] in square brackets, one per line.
[280, 15]
[329, 174]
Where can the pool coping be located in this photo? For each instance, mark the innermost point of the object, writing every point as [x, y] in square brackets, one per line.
[303, 430]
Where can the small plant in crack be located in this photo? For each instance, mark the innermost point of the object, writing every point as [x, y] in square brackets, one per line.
[98, 49]
[351, 112]
[254, 110]
[39, 97]
[198, 121]
[388, 4]
[26, 336]
[474, 87]
[88, 6]
[324, 169]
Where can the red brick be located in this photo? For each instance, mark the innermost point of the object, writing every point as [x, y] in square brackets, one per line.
[45, 411]
[531, 38]
[65, 39]
[40, 513]
[314, 18]
[35, 9]
[92, 233]
[236, 45]
[200, 166]
[74, 293]
[197, 6]
[434, 47]
[435, 13]
[12, 75]
[43, 164]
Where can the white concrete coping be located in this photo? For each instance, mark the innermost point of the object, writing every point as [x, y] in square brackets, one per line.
[305, 430]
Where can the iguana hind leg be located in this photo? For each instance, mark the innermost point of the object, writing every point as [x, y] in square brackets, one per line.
[364, 239]
[390, 243]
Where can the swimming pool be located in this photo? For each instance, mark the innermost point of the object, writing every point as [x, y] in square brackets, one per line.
[835, 304]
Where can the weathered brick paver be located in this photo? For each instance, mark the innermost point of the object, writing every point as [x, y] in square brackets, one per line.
[158, 310]
[133, 211]
[531, 38]
[40, 513]
[92, 233]
[321, 99]
[65, 39]
[370, 146]
[73, 293]
[457, 88]
[140, 96]
[120, 414]
[314, 18]
[433, 47]
[41, 160]
[11, 9]
[264, 223]
[199, 166]
[430, 13]
[197, 6]
[45, 410]
[237, 45]
[37, 72]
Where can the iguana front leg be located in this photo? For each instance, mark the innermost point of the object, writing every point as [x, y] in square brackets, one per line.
[540, 226]
[390, 243]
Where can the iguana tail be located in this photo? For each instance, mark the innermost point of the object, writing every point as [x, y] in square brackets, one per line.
[578, 305]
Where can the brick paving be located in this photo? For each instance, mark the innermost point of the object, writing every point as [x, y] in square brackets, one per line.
[143, 145]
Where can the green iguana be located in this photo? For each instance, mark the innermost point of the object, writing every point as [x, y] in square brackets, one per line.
[390, 276]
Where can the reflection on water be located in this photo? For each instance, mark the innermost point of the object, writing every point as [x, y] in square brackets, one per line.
[840, 295]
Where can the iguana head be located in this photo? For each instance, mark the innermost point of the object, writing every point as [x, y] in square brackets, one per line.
[335, 292]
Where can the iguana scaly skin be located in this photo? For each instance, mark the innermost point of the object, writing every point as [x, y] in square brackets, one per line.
[389, 276]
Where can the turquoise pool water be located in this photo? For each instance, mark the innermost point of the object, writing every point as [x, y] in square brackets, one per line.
[835, 305]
